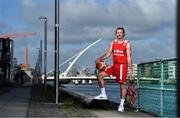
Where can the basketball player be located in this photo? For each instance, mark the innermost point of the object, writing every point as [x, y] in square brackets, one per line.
[121, 51]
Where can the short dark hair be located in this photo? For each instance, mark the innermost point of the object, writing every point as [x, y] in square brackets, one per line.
[120, 28]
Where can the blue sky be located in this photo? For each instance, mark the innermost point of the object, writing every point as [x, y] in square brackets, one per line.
[11, 12]
[150, 27]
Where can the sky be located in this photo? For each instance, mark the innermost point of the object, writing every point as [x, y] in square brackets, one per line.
[150, 26]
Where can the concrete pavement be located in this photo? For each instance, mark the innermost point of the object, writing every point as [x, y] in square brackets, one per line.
[15, 102]
[84, 105]
[42, 105]
[28, 101]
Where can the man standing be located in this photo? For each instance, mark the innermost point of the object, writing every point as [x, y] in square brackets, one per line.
[121, 52]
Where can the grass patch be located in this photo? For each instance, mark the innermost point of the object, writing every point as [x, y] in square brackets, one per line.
[73, 107]
[67, 104]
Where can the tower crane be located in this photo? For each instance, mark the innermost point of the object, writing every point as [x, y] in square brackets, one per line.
[18, 35]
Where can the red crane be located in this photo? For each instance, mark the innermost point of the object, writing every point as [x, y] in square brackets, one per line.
[21, 35]
[18, 35]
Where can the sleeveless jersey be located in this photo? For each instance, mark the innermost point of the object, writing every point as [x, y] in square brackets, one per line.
[119, 52]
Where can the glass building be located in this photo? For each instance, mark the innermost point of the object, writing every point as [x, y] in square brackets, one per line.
[6, 60]
[153, 69]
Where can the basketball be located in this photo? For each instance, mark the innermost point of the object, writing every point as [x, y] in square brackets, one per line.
[100, 65]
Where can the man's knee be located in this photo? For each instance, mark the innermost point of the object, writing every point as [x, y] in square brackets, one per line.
[101, 75]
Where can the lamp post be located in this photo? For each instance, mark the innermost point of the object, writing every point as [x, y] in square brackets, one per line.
[45, 51]
[56, 72]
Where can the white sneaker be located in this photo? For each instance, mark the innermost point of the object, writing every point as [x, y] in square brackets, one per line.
[121, 108]
[101, 97]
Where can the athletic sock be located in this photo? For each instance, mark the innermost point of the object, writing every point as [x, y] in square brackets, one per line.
[103, 91]
[122, 102]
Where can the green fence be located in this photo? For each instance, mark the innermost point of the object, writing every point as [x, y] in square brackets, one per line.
[156, 87]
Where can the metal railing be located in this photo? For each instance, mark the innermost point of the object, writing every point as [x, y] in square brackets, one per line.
[157, 97]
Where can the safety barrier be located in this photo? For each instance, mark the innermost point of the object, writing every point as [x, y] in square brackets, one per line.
[158, 94]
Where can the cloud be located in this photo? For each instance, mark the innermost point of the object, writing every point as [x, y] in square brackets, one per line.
[152, 22]
[89, 20]
[148, 23]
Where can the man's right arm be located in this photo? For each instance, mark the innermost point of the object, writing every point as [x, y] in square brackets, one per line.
[107, 54]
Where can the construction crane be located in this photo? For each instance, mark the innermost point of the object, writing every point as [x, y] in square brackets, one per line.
[20, 35]
[12, 36]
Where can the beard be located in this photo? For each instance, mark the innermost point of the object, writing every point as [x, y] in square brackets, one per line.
[119, 37]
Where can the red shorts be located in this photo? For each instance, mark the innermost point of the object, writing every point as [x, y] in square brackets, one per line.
[119, 71]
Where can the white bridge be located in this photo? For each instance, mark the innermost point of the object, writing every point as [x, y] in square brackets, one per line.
[81, 78]
[63, 76]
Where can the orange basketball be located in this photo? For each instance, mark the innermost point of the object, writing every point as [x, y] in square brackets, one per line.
[100, 65]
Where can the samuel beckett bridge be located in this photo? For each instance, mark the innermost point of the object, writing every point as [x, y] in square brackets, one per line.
[64, 78]
[64, 75]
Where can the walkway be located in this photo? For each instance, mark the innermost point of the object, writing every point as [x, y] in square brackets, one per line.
[15, 102]
[28, 101]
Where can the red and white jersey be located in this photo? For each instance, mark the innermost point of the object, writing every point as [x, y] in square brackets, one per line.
[119, 52]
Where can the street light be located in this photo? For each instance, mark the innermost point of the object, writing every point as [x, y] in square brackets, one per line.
[56, 60]
[45, 51]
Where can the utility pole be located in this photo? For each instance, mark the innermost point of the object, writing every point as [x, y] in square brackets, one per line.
[56, 72]
[41, 59]
[45, 52]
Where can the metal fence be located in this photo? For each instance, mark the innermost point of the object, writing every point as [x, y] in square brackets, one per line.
[156, 87]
